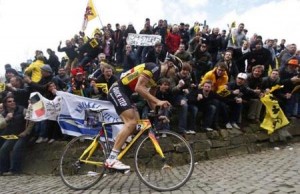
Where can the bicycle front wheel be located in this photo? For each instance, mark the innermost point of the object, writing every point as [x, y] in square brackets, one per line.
[168, 173]
[78, 174]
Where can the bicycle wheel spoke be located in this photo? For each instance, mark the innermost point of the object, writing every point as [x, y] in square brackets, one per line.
[78, 174]
[169, 173]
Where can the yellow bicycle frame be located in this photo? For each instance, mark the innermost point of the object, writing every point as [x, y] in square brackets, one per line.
[143, 125]
[90, 150]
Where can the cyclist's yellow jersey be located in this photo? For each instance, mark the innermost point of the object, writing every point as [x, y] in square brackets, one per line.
[130, 77]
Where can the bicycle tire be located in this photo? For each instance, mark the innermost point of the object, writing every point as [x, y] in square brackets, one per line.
[79, 175]
[164, 174]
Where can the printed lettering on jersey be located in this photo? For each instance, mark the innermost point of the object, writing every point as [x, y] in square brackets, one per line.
[132, 74]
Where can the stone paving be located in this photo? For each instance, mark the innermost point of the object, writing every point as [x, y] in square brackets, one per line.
[268, 172]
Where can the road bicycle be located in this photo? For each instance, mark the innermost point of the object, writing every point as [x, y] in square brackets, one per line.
[161, 163]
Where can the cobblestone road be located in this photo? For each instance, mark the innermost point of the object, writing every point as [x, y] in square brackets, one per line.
[270, 171]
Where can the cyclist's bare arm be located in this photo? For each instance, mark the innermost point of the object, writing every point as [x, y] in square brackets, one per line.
[141, 89]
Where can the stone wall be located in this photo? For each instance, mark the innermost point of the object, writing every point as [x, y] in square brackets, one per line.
[44, 158]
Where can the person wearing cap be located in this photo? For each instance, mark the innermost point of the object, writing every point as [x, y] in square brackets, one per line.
[9, 73]
[141, 79]
[269, 45]
[79, 85]
[184, 34]
[34, 69]
[224, 40]
[287, 53]
[258, 56]
[41, 130]
[289, 78]
[231, 105]
[47, 76]
[214, 44]
[7, 66]
[201, 61]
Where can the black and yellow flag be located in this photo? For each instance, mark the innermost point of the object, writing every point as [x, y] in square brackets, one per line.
[103, 87]
[275, 117]
[89, 14]
[223, 91]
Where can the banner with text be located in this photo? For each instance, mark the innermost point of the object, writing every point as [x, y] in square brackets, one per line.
[73, 113]
[76, 119]
[142, 39]
[40, 108]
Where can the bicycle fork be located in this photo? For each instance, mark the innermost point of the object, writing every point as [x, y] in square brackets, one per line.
[155, 143]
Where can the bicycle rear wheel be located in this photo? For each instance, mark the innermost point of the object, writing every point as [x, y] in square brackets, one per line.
[77, 174]
[169, 173]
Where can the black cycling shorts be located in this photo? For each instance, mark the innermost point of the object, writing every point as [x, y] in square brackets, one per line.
[118, 97]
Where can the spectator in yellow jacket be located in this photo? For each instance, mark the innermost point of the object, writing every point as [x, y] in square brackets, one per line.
[34, 69]
[217, 76]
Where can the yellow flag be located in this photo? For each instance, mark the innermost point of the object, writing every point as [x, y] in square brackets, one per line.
[233, 24]
[275, 117]
[223, 91]
[89, 14]
[90, 11]
[102, 86]
[8, 137]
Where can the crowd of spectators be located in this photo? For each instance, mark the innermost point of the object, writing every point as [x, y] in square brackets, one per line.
[224, 74]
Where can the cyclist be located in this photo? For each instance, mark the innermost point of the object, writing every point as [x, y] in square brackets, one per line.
[142, 79]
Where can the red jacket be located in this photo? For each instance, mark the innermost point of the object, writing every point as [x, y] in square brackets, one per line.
[172, 42]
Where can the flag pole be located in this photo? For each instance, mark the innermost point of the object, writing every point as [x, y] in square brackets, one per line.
[98, 16]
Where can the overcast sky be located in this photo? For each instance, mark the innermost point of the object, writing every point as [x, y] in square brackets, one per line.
[28, 25]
